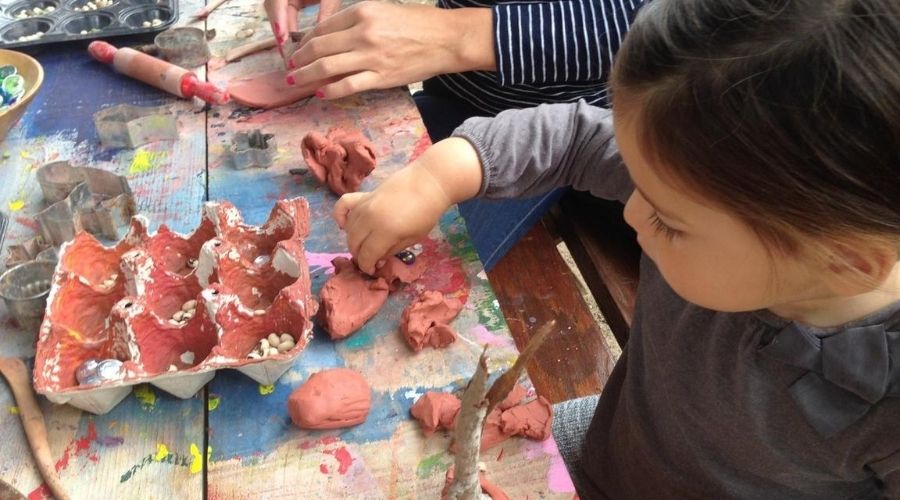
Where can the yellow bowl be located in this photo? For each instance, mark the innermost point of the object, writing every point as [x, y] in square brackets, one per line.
[33, 74]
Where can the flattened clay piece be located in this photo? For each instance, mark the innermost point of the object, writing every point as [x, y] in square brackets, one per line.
[331, 399]
[436, 410]
[267, 91]
[488, 488]
[349, 299]
[341, 159]
[533, 420]
[395, 272]
[419, 321]
[516, 395]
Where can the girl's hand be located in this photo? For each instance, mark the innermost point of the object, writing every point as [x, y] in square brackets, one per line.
[405, 207]
[283, 15]
[382, 45]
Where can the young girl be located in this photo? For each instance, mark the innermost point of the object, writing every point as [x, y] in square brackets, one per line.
[757, 150]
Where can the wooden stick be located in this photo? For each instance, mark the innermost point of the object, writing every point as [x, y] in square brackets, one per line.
[16, 375]
[200, 14]
[472, 413]
[504, 383]
[257, 46]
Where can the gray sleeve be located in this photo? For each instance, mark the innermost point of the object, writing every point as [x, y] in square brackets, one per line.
[527, 152]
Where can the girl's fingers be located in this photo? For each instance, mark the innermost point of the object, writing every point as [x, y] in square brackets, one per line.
[343, 207]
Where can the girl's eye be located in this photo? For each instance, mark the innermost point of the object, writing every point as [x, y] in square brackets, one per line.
[660, 227]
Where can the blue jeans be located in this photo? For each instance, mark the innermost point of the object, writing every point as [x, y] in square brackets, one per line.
[494, 225]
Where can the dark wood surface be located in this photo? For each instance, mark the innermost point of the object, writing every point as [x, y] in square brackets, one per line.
[606, 252]
[534, 285]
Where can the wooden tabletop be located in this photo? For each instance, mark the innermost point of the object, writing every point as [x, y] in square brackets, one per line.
[234, 439]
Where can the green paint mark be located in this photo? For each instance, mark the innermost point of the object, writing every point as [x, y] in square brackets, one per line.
[143, 161]
[360, 339]
[213, 402]
[428, 466]
[146, 396]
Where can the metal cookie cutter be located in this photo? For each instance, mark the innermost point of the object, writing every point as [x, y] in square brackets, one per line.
[97, 201]
[253, 149]
[128, 126]
[185, 47]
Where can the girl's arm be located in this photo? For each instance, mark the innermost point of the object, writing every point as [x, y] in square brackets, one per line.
[518, 153]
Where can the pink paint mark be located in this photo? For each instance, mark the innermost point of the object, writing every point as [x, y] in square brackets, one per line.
[28, 222]
[40, 493]
[420, 146]
[77, 446]
[558, 478]
[323, 259]
[323, 468]
[485, 336]
[344, 458]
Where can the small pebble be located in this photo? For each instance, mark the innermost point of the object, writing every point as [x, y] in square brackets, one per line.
[286, 337]
[285, 346]
[173, 368]
[175, 323]
[50, 9]
[188, 314]
[254, 355]
[264, 345]
[84, 32]
[155, 22]
[191, 304]
[178, 316]
[273, 351]
[146, 24]
[274, 340]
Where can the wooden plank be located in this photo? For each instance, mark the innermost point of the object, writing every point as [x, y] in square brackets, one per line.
[534, 285]
[143, 447]
[606, 252]
[255, 450]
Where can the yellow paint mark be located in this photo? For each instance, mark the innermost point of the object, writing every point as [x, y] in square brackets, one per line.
[143, 161]
[161, 452]
[25, 155]
[16, 205]
[14, 410]
[146, 396]
[74, 334]
[213, 402]
[266, 389]
[197, 458]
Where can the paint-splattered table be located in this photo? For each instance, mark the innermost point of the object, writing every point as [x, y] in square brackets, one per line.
[234, 438]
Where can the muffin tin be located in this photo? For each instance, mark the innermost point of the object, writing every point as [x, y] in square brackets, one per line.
[63, 20]
[125, 304]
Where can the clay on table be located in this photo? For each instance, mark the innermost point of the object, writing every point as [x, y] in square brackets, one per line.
[396, 272]
[533, 420]
[175, 308]
[268, 90]
[425, 321]
[341, 159]
[436, 410]
[331, 399]
[349, 299]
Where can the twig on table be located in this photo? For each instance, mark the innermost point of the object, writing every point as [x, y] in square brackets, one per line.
[468, 434]
[504, 383]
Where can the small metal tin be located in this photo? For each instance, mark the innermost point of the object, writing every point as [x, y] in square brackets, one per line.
[253, 149]
[128, 126]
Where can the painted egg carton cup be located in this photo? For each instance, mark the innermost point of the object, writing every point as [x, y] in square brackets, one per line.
[171, 309]
[32, 22]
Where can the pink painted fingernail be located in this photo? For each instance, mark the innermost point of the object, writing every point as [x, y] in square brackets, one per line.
[291, 64]
[290, 80]
[320, 94]
[277, 29]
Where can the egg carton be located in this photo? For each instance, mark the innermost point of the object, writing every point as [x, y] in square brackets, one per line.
[33, 22]
[126, 303]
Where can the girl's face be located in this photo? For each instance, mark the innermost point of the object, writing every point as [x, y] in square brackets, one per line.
[709, 257]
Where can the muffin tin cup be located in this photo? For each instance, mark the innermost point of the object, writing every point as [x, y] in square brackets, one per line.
[69, 22]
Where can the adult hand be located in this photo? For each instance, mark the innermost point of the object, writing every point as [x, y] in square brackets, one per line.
[283, 15]
[382, 45]
[406, 206]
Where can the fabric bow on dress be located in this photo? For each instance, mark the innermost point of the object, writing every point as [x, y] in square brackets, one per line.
[848, 372]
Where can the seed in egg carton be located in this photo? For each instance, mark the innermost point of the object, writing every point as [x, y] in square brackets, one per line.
[272, 345]
[31, 38]
[187, 311]
[36, 11]
[154, 23]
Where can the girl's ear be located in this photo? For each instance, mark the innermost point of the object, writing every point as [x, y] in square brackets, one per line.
[859, 268]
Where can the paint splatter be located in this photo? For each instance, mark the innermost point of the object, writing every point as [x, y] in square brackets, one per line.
[343, 457]
[266, 389]
[110, 441]
[16, 205]
[146, 396]
[197, 458]
[213, 402]
[431, 464]
[77, 446]
[14, 410]
[558, 478]
[162, 451]
[323, 468]
[143, 161]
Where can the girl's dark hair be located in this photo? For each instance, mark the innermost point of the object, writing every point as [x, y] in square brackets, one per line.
[785, 112]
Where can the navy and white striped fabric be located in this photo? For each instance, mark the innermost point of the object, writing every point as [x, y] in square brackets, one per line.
[546, 51]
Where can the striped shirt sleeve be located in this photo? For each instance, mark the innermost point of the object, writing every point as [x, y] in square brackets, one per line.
[559, 41]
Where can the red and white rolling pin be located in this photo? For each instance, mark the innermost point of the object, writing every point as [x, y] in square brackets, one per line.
[158, 73]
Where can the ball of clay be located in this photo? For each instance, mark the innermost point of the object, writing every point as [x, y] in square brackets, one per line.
[331, 399]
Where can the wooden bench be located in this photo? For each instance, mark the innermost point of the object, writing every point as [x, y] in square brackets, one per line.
[534, 285]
